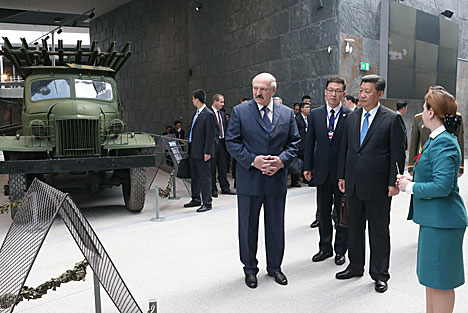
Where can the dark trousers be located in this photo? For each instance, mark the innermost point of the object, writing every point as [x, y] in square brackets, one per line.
[248, 213]
[219, 162]
[201, 180]
[377, 213]
[329, 195]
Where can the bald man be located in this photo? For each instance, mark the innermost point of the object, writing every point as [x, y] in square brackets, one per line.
[262, 136]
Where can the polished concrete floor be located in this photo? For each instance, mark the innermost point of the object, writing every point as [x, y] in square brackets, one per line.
[189, 261]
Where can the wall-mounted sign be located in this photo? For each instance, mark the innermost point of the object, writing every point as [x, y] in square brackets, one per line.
[365, 66]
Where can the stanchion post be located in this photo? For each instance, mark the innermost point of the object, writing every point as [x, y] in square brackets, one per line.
[157, 201]
[97, 294]
[174, 195]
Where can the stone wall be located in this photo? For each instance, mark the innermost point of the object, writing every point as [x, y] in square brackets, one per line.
[220, 49]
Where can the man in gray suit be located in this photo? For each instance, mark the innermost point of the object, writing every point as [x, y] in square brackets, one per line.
[262, 136]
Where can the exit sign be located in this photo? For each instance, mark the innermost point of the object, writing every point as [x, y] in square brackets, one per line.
[364, 66]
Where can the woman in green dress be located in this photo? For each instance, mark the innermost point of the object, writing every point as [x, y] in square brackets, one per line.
[437, 206]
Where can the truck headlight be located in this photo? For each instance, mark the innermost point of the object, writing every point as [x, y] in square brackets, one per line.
[38, 128]
[116, 126]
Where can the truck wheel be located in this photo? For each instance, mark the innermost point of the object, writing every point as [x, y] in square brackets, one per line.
[18, 185]
[134, 188]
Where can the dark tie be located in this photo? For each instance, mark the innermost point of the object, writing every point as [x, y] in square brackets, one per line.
[365, 127]
[221, 133]
[331, 121]
[266, 119]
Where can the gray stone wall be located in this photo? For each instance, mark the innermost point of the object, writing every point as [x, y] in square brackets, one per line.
[153, 84]
[219, 49]
[360, 20]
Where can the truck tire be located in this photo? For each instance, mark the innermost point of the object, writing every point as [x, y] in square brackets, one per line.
[18, 185]
[134, 189]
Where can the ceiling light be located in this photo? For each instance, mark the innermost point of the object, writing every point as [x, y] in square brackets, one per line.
[447, 13]
[198, 6]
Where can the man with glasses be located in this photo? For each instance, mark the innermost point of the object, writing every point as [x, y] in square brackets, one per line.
[322, 151]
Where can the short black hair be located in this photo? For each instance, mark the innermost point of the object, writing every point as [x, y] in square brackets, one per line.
[378, 81]
[306, 97]
[245, 99]
[296, 104]
[199, 94]
[303, 104]
[336, 79]
[351, 98]
[177, 122]
[401, 104]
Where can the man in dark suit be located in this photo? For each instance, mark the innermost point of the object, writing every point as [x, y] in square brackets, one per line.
[219, 160]
[372, 154]
[178, 131]
[201, 149]
[401, 109]
[262, 136]
[322, 151]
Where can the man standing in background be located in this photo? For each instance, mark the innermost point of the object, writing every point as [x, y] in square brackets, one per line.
[219, 160]
[201, 149]
[322, 151]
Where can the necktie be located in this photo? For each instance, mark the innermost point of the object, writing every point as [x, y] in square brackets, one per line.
[365, 127]
[221, 133]
[266, 119]
[191, 128]
[331, 121]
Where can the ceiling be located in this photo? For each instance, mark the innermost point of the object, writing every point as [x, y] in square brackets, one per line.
[54, 12]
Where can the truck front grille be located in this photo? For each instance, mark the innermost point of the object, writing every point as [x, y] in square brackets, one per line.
[77, 138]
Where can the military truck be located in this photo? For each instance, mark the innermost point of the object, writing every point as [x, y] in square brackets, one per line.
[73, 134]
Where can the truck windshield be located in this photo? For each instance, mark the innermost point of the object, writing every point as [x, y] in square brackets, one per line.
[50, 89]
[93, 89]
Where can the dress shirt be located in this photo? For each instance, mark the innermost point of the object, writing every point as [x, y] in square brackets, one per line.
[219, 120]
[305, 120]
[371, 116]
[439, 130]
[270, 110]
[337, 109]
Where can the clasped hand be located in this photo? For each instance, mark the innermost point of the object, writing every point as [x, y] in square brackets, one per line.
[268, 164]
[402, 181]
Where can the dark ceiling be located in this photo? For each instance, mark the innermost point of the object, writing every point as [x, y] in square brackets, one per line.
[43, 18]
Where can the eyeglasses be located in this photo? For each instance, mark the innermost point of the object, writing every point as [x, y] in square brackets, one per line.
[335, 91]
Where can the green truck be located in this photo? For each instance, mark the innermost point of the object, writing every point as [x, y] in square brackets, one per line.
[72, 131]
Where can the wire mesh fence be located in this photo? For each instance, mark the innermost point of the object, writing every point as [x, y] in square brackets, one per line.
[27, 233]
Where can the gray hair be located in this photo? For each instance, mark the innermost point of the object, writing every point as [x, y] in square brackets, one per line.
[269, 77]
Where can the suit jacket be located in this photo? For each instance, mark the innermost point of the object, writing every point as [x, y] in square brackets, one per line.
[248, 137]
[179, 134]
[419, 136]
[322, 153]
[217, 132]
[203, 135]
[436, 201]
[301, 127]
[369, 169]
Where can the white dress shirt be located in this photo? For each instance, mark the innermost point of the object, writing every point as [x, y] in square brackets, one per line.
[270, 110]
[372, 113]
[219, 121]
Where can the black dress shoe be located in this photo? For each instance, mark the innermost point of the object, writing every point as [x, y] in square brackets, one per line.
[381, 286]
[204, 208]
[296, 185]
[339, 259]
[192, 204]
[251, 280]
[214, 194]
[321, 255]
[347, 274]
[314, 224]
[228, 192]
[280, 278]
